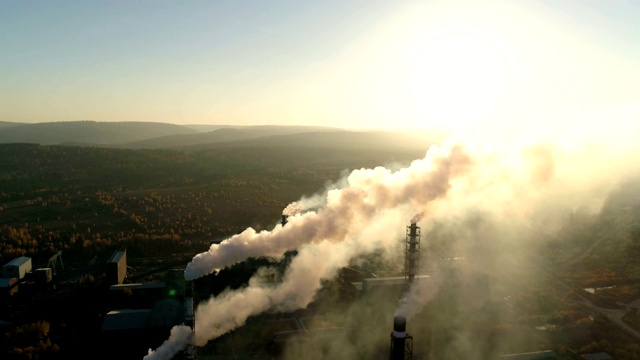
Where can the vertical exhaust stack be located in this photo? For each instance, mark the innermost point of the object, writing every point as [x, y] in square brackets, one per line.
[401, 342]
[412, 253]
[284, 219]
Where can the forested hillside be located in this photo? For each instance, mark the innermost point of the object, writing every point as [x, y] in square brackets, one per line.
[88, 200]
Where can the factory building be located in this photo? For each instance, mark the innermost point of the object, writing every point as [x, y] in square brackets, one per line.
[143, 315]
[17, 268]
[137, 330]
[117, 267]
[165, 314]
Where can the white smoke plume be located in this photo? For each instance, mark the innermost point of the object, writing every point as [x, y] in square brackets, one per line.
[315, 201]
[368, 211]
[230, 310]
[292, 209]
[417, 217]
[367, 193]
[178, 340]
[420, 293]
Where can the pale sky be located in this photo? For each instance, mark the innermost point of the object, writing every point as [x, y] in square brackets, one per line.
[456, 65]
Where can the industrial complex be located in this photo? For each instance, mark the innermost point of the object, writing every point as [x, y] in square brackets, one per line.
[137, 316]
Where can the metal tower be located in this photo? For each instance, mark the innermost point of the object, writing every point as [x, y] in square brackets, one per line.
[412, 253]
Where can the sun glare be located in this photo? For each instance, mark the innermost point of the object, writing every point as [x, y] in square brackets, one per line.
[456, 78]
[449, 66]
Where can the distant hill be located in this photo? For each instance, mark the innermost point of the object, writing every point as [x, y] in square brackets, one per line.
[209, 128]
[337, 140]
[222, 135]
[147, 135]
[7, 124]
[340, 149]
[88, 132]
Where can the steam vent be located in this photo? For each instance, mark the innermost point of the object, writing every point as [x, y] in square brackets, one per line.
[401, 342]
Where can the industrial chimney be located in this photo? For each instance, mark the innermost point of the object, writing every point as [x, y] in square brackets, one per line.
[401, 342]
[284, 219]
[412, 253]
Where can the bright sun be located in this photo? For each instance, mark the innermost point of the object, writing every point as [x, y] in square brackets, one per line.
[456, 78]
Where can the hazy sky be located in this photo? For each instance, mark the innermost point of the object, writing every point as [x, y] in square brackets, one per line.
[362, 64]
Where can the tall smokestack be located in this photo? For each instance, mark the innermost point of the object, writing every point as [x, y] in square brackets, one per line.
[412, 253]
[284, 219]
[401, 342]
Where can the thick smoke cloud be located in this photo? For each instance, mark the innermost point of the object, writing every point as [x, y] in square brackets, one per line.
[367, 193]
[367, 211]
[356, 219]
[230, 310]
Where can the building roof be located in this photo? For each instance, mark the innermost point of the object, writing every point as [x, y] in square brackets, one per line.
[18, 261]
[126, 319]
[538, 355]
[158, 285]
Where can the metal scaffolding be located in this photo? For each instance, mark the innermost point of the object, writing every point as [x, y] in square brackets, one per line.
[412, 253]
[54, 260]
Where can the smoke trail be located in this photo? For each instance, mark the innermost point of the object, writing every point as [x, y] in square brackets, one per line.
[368, 191]
[364, 213]
[420, 293]
[293, 208]
[230, 310]
[314, 263]
[417, 217]
[178, 340]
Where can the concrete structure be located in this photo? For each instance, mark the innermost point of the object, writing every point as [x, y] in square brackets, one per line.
[8, 287]
[17, 268]
[117, 267]
[538, 355]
